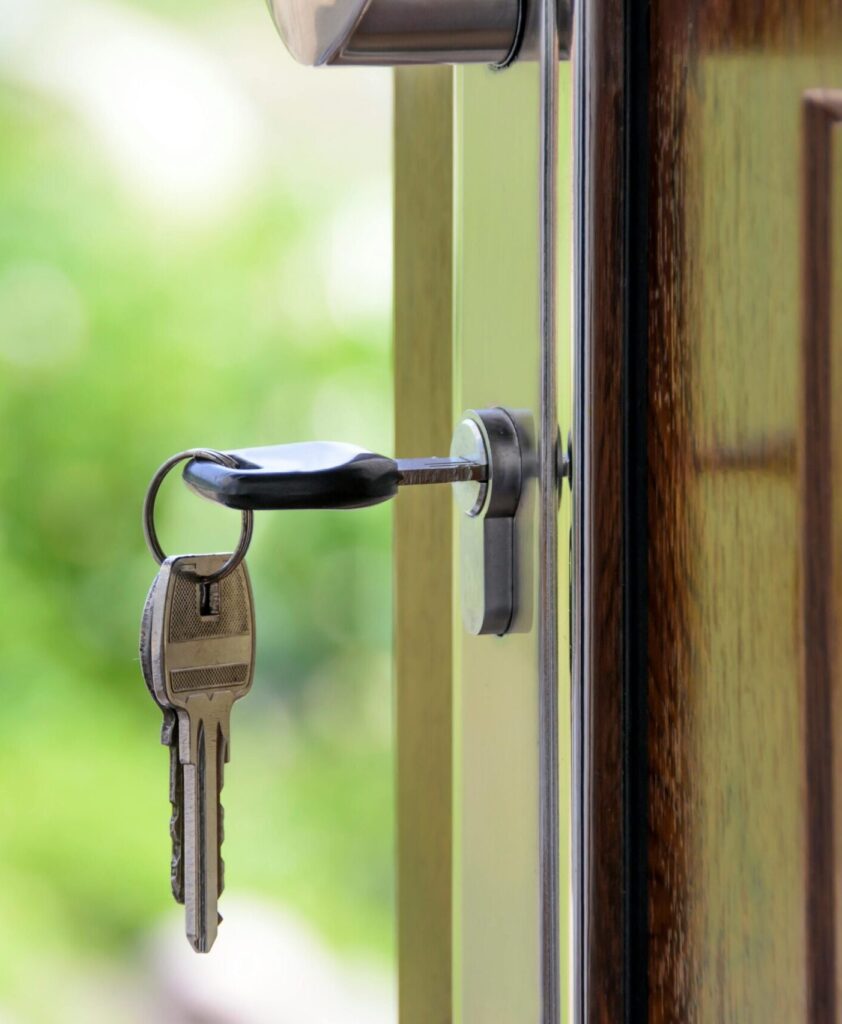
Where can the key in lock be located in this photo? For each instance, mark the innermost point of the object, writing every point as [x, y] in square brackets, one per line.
[491, 459]
[197, 635]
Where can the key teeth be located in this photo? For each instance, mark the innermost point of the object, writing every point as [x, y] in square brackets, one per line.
[221, 834]
[176, 818]
[177, 857]
[220, 816]
[168, 728]
[176, 863]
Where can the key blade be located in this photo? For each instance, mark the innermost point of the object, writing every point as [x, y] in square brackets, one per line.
[201, 828]
[205, 728]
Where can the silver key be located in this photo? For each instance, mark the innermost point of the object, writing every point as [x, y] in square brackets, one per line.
[169, 738]
[202, 661]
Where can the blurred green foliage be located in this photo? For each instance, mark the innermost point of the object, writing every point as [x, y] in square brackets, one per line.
[124, 338]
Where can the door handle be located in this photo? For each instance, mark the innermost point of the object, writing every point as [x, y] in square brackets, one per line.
[490, 461]
[391, 32]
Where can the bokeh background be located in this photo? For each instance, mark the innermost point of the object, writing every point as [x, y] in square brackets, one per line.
[194, 250]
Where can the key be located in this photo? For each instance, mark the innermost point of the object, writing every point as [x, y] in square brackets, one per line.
[319, 474]
[201, 661]
[169, 738]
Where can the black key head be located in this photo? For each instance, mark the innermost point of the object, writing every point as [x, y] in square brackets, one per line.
[313, 475]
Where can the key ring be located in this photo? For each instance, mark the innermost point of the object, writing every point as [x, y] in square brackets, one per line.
[151, 534]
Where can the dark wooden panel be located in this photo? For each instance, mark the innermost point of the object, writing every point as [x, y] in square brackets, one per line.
[742, 458]
[598, 475]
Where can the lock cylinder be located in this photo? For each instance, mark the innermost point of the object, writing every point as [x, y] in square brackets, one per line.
[487, 524]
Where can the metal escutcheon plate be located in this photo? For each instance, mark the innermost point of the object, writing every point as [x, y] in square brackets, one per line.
[487, 522]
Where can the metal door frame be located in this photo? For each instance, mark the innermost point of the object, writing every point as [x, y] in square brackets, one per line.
[438, 963]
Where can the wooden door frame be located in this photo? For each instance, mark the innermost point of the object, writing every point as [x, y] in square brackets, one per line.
[610, 509]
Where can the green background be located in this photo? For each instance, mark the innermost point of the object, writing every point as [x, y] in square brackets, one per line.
[135, 321]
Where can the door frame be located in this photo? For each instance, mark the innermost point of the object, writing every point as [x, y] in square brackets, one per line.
[479, 927]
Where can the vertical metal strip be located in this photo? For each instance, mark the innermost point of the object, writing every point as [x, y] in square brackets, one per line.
[548, 560]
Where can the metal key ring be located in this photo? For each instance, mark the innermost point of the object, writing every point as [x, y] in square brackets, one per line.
[151, 534]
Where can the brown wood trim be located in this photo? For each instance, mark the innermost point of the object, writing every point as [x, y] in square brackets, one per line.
[822, 111]
[423, 549]
[774, 25]
[672, 539]
[775, 456]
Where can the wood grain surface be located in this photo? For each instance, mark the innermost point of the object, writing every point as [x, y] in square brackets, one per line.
[743, 538]
[740, 878]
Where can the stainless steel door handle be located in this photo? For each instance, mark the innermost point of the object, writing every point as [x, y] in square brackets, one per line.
[390, 32]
